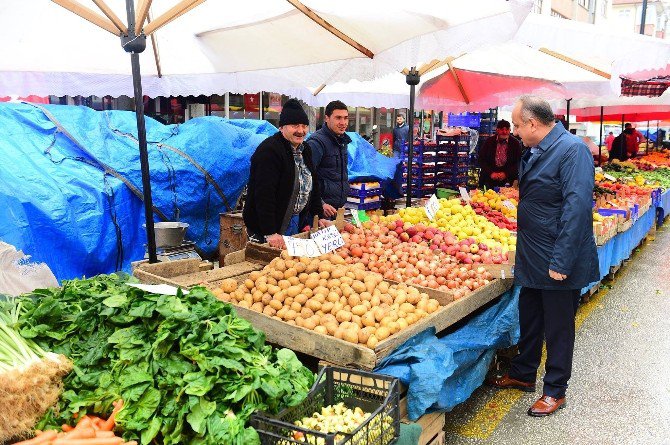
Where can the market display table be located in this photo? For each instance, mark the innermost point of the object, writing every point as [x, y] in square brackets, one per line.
[663, 207]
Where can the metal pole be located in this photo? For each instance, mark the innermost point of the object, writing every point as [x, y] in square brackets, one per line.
[567, 115]
[226, 105]
[260, 105]
[657, 133]
[412, 80]
[643, 19]
[600, 146]
[646, 149]
[135, 45]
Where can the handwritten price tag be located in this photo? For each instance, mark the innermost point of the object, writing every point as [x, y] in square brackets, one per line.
[507, 203]
[609, 177]
[328, 239]
[356, 217]
[432, 207]
[301, 247]
[464, 194]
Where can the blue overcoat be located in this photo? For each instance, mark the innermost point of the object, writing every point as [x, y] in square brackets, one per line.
[555, 222]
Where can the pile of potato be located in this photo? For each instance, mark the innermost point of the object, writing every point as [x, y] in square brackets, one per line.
[328, 296]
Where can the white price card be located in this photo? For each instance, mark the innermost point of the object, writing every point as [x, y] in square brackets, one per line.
[356, 217]
[609, 177]
[328, 239]
[432, 207]
[301, 247]
[507, 203]
[464, 194]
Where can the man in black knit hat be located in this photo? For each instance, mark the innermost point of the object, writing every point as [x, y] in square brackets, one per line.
[283, 186]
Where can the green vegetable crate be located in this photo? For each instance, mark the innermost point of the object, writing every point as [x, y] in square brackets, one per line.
[376, 394]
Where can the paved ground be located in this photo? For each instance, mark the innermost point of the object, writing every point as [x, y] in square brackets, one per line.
[620, 388]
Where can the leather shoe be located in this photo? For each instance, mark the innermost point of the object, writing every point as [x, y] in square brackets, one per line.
[507, 382]
[545, 406]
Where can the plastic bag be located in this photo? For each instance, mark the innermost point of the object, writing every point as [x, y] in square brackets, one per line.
[18, 275]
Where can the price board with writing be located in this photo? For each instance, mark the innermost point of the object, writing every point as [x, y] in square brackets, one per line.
[328, 239]
[432, 207]
[301, 247]
[355, 217]
[464, 194]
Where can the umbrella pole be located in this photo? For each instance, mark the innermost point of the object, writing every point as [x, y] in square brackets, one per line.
[567, 115]
[658, 123]
[135, 45]
[412, 80]
[600, 146]
[646, 150]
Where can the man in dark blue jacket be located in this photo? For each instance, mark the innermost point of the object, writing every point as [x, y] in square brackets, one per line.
[400, 134]
[556, 253]
[330, 157]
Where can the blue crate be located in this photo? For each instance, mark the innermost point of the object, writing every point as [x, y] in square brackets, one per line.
[613, 212]
[365, 192]
[453, 170]
[364, 206]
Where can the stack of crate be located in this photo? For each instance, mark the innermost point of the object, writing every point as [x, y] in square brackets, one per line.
[364, 196]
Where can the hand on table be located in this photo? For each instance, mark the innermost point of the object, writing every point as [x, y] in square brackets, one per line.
[557, 276]
[329, 211]
[276, 241]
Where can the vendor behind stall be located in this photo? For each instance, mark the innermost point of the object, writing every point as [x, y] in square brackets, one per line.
[499, 158]
[283, 186]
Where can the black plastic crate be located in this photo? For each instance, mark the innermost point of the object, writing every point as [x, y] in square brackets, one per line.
[374, 393]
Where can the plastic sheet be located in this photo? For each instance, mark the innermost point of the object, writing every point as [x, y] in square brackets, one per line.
[58, 205]
[366, 163]
[441, 373]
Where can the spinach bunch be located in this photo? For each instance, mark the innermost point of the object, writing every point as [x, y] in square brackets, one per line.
[188, 369]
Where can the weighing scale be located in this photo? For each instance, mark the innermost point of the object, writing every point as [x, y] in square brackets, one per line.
[172, 253]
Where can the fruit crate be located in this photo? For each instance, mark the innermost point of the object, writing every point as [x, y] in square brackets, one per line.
[376, 394]
[364, 191]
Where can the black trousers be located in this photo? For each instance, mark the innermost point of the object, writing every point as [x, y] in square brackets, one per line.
[550, 315]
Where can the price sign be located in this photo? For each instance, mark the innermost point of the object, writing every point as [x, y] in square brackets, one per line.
[301, 247]
[432, 207]
[328, 239]
[609, 177]
[356, 217]
[464, 194]
[507, 203]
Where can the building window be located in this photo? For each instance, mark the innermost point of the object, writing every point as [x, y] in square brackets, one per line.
[537, 7]
[557, 14]
[585, 3]
[603, 8]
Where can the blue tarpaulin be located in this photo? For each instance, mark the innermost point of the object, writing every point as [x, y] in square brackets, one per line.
[441, 373]
[62, 195]
[70, 181]
[366, 163]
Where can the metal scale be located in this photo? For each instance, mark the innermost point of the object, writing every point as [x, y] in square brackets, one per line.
[172, 253]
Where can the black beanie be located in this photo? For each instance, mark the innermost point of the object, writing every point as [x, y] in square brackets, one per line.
[292, 113]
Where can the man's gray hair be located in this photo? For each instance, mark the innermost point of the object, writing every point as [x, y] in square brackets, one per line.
[537, 108]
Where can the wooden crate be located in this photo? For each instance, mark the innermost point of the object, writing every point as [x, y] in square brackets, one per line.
[432, 425]
[439, 439]
[232, 234]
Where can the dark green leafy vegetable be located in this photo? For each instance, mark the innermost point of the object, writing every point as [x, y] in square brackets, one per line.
[188, 369]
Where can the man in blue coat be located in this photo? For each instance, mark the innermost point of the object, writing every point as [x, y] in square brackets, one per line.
[556, 252]
[330, 156]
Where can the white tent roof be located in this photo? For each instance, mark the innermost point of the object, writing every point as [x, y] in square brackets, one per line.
[255, 45]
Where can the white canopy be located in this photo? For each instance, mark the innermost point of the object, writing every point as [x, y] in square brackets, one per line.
[256, 45]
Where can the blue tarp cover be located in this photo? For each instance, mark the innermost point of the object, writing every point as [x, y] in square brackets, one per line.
[443, 372]
[58, 205]
[61, 202]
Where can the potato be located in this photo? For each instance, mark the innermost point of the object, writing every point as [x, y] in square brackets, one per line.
[354, 300]
[372, 341]
[358, 286]
[364, 335]
[284, 284]
[258, 307]
[368, 319]
[306, 312]
[333, 297]
[293, 291]
[327, 307]
[296, 306]
[359, 310]
[382, 333]
[276, 305]
[229, 285]
[311, 283]
[279, 265]
[291, 272]
[290, 315]
[277, 275]
[314, 305]
[301, 298]
[321, 330]
[366, 296]
[407, 308]
[339, 333]
[351, 336]
[331, 328]
[343, 315]
[257, 296]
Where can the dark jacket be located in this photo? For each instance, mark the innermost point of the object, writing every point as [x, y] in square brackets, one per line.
[331, 159]
[272, 188]
[618, 150]
[555, 222]
[400, 136]
[487, 161]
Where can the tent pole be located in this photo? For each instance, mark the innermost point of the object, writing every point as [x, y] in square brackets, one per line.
[600, 146]
[135, 45]
[567, 115]
[657, 133]
[646, 150]
[412, 80]
[643, 17]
